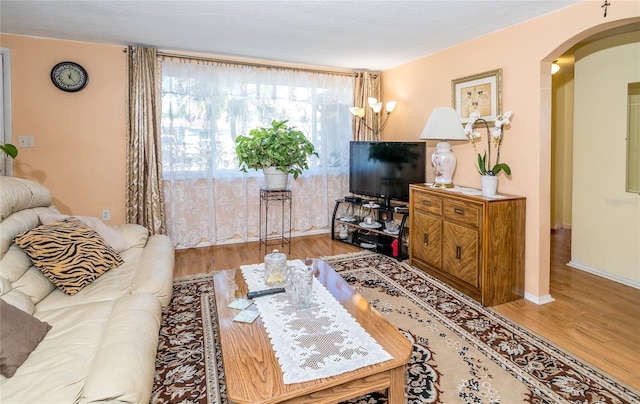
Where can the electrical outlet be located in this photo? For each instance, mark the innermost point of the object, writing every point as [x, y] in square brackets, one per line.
[26, 141]
[106, 214]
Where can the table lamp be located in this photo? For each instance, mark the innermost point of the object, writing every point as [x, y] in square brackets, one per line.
[443, 124]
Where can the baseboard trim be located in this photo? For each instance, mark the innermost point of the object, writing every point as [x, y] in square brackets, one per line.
[563, 226]
[604, 274]
[539, 300]
[254, 239]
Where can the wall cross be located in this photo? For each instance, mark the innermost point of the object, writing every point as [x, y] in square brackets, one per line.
[605, 6]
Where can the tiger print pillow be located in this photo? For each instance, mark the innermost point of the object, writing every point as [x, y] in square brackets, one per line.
[69, 253]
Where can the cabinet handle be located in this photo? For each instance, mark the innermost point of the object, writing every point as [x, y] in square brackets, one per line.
[425, 238]
[458, 253]
[426, 202]
[459, 211]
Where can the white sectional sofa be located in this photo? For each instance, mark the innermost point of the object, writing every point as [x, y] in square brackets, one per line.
[101, 341]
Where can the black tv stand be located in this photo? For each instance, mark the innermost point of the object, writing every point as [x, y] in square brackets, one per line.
[387, 202]
[347, 225]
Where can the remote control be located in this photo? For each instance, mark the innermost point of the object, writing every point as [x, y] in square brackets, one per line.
[266, 292]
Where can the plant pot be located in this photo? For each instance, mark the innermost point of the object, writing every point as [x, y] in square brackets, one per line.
[489, 185]
[275, 179]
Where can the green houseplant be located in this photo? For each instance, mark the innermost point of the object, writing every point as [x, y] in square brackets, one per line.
[9, 149]
[278, 147]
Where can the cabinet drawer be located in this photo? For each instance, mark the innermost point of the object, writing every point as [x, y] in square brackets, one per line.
[427, 203]
[461, 212]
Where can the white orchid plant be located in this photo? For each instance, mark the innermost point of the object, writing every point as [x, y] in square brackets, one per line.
[501, 123]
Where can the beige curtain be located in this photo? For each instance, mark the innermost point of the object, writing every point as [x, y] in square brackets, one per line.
[144, 198]
[367, 84]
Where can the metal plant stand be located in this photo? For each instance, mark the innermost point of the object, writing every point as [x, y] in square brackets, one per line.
[269, 200]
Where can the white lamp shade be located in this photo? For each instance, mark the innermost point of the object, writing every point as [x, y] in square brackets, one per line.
[359, 112]
[391, 105]
[443, 124]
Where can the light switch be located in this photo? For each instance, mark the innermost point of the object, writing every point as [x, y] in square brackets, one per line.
[26, 141]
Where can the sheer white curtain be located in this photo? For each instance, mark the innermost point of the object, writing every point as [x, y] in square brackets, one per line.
[205, 106]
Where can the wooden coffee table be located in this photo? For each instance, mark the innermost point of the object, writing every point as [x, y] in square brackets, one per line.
[253, 374]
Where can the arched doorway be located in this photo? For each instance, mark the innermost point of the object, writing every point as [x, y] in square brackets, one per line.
[596, 193]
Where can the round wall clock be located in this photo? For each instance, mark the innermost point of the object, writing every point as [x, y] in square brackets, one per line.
[69, 76]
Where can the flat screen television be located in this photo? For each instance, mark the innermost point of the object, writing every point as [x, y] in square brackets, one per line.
[385, 169]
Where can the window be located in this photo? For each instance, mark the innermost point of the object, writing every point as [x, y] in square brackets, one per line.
[205, 106]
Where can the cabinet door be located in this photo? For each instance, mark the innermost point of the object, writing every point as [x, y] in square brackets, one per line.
[460, 253]
[426, 239]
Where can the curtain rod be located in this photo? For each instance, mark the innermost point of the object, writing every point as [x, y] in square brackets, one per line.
[253, 64]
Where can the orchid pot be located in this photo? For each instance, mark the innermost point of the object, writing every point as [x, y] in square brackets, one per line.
[489, 185]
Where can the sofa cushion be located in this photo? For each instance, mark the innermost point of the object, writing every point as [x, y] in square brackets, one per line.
[130, 337]
[20, 333]
[69, 253]
[134, 234]
[20, 194]
[99, 352]
[56, 371]
[107, 233]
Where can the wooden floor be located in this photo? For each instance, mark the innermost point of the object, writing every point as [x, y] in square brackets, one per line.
[207, 259]
[596, 319]
[593, 318]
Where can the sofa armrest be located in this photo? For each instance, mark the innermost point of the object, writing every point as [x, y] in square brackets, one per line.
[124, 366]
[155, 272]
[133, 234]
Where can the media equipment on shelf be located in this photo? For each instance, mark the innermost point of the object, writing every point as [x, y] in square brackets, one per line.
[373, 227]
[385, 169]
[353, 199]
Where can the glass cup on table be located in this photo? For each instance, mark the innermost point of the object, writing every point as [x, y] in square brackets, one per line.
[301, 278]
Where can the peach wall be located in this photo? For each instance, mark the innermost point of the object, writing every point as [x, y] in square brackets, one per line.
[524, 52]
[80, 138]
[606, 218]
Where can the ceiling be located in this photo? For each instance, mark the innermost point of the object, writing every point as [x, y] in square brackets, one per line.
[368, 35]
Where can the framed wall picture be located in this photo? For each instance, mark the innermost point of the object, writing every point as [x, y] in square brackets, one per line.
[480, 92]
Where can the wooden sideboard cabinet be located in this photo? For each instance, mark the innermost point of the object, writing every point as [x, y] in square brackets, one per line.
[472, 243]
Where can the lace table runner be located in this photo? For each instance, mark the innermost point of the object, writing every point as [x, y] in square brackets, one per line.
[322, 341]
